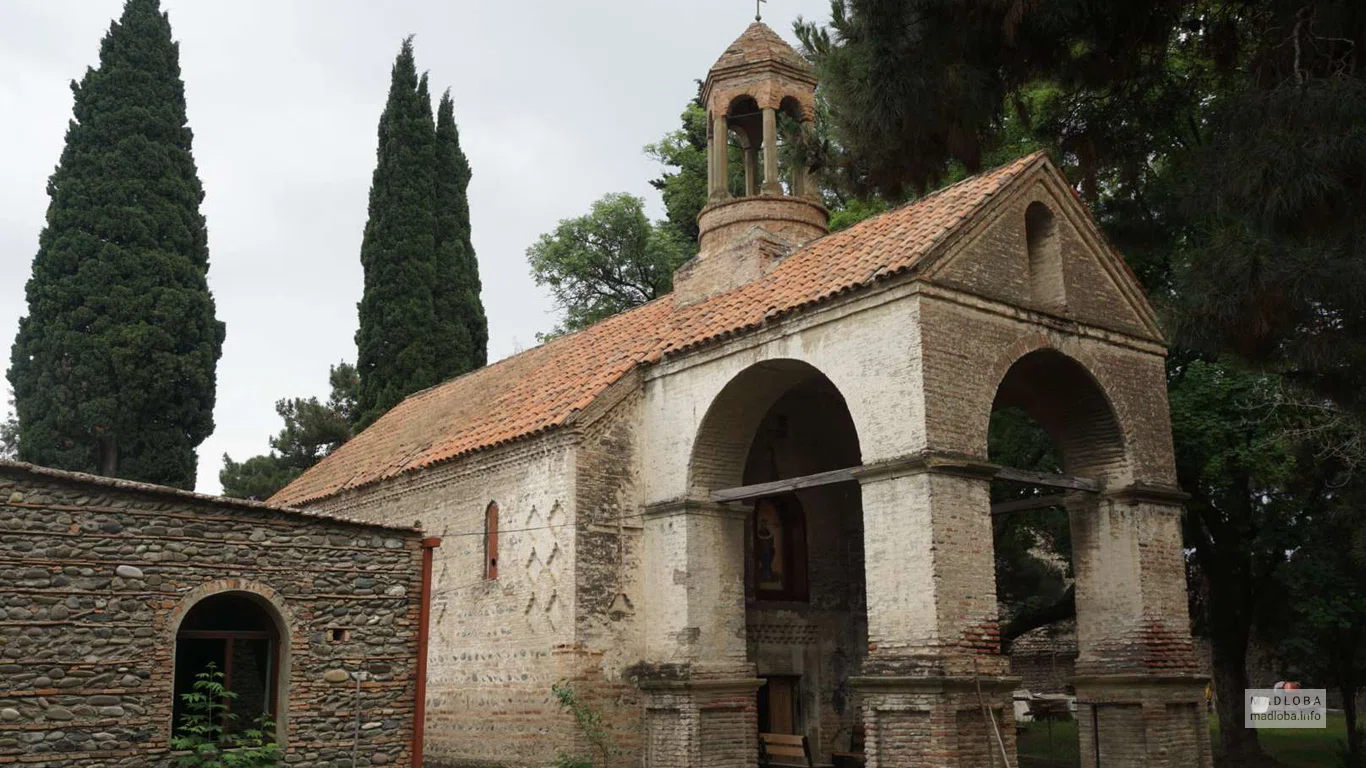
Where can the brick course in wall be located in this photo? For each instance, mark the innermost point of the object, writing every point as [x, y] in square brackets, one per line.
[96, 574]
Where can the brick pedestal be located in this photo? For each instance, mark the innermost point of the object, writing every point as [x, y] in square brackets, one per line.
[697, 720]
[1139, 699]
[938, 721]
[1142, 721]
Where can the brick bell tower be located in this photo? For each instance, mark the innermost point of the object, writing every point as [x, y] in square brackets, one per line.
[764, 93]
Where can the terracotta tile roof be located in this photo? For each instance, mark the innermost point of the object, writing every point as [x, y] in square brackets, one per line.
[542, 388]
[759, 44]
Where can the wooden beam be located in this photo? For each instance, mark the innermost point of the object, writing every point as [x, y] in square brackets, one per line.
[787, 485]
[1022, 505]
[1050, 479]
[759, 490]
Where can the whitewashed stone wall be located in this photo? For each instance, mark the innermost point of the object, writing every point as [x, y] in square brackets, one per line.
[492, 658]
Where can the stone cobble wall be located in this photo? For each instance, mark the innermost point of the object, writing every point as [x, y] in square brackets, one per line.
[493, 654]
[97, 574]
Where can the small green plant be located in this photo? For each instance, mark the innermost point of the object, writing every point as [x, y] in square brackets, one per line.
[589, 721]
[204, 731]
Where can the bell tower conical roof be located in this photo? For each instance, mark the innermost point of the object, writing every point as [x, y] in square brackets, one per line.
[759, 45]
[762, 65]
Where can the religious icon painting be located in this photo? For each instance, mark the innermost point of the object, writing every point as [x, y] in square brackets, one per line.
[768, 546]
[779, 549]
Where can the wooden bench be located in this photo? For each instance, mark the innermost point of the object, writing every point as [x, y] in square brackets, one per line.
[786, 749]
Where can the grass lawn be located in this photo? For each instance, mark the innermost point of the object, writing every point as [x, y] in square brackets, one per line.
[1298, 748]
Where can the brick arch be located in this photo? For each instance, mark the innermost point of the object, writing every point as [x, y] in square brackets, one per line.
[723, 438]
[1059, 387]
[268, 597]
[273, 603]
[793, 107]
[739, 104]
[768, 94]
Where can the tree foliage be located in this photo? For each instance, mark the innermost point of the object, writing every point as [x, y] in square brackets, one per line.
[1033, 549]
[113, 368]
[9, 434]
[457, 295]
[1222, 145]
[1325, 590]
[312, 430]
[607, 261]
[420, 317]
[1235, 458]
[603, 747]
[208, 733]
[683, 183]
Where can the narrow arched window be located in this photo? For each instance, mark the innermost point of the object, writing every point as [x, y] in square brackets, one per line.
[491, 541]
[1046, 288]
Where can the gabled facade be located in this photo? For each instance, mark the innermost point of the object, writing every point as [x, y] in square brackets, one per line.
[762, 503]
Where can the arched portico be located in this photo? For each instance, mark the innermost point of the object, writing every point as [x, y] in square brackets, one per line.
[763, 623]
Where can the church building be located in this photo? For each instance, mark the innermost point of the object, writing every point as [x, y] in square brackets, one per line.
[761, 504]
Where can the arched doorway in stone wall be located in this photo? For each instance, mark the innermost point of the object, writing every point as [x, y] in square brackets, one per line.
[805, 610]
[237, 635]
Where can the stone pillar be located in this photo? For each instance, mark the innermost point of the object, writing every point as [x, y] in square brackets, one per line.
[718, 155]
[801, 174]
[711, 164]
[771, 184]
[751, 170]
[697, 682]
[1140, 700]
[934, 688]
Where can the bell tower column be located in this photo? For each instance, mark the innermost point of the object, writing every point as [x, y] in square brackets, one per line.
[771, 185]
[801, 172]
[752, 169]
[717, 151]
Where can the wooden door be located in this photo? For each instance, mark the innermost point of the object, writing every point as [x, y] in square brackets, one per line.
[778, 705]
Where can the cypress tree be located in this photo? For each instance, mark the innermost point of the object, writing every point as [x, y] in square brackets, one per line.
[113, 368]
[395, 350]
[457, 301]
[421, 320]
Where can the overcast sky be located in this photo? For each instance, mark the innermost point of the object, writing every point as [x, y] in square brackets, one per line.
[554, 101]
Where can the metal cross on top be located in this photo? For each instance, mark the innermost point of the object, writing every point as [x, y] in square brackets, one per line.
[757, 15]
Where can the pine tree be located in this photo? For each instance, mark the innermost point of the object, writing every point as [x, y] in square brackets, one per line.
[457, 298]
[113, 368]
[398, 322]
[312, 430]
